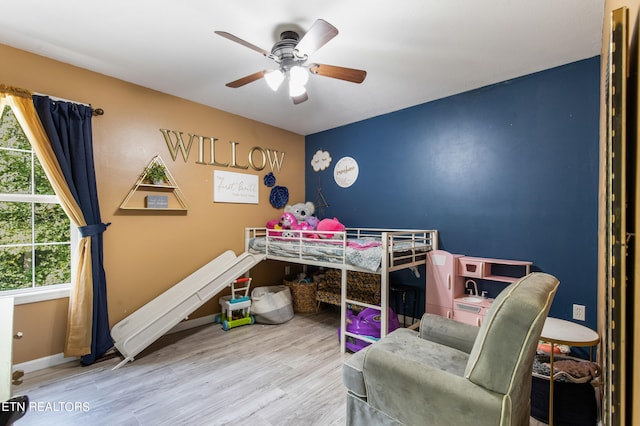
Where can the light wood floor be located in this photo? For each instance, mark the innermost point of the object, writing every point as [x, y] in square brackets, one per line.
[287, 374]
[258, 375]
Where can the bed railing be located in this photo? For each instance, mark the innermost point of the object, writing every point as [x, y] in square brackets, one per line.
[404, 248]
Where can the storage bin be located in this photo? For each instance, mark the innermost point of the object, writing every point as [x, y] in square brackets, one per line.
[361, 286]
[272, 304]
[575, 400]
[303, 295]
[574, 404]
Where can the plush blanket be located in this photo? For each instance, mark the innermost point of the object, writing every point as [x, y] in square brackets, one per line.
[363, 253]
[566, 369]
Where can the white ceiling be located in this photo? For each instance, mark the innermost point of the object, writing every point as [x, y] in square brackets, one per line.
[414, 51]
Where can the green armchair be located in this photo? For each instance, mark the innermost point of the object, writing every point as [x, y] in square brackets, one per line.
[450, 373]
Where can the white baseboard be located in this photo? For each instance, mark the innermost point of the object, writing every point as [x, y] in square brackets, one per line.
[57, 359]
[44, 362]
[196, 322]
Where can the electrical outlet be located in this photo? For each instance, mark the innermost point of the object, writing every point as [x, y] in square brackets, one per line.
[579, 312]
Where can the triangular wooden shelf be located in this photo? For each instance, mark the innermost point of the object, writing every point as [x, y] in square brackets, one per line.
[134, 198]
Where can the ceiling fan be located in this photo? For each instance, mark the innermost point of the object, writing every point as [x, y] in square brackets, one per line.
[291, 54]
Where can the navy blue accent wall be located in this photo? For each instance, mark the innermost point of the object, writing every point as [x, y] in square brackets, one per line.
[506, 171]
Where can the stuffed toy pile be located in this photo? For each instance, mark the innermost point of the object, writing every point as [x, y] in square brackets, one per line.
[299, 218]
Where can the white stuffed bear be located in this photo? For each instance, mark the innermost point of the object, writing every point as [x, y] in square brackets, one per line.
[302, 211]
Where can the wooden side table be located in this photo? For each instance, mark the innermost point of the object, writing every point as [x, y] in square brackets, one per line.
[561, 332]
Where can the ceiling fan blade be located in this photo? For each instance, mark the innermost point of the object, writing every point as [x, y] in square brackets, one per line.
[243, 42]
[341, 73]
[318, 35]
[245, 80]
[300, 99]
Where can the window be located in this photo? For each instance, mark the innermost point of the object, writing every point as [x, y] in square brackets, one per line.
[35, 232]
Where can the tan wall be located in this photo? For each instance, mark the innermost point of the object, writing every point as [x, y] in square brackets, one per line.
[147, 253]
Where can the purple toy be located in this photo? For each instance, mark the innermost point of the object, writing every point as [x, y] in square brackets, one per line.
[366, 323]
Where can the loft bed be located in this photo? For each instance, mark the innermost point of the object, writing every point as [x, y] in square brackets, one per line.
[370, 250]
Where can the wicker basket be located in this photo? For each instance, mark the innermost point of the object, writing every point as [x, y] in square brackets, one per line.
[303, 295]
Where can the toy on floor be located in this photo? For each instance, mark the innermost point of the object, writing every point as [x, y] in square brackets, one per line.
[367, 324]
[236, 309]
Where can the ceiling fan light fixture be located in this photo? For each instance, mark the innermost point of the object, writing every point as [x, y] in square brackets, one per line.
[274, 79]
[296, 90]
[298, 75]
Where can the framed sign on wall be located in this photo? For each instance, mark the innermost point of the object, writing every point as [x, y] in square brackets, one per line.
[230, 187]
[345, 172]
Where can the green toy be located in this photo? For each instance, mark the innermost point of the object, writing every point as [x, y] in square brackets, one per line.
[236, 309]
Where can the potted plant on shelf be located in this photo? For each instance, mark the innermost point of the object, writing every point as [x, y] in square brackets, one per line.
[156, 174]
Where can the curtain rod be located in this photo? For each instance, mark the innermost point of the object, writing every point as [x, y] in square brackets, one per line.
[94, 111]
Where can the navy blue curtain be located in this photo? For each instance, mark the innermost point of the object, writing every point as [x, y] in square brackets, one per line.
[68, 127]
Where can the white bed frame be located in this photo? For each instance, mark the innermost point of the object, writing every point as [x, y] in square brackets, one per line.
[419, 241]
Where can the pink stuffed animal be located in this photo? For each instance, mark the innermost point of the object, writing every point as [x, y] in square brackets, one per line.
[289, 225]
[288, 221]
[328, 227]
[274, 228]
[305, 226]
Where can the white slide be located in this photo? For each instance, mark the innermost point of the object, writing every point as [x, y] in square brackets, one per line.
[144, 326]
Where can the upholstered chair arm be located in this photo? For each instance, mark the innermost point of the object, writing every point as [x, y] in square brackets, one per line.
[416, 392]
[448, 332]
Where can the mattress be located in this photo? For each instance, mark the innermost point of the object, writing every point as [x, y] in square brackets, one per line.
[365, 253]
